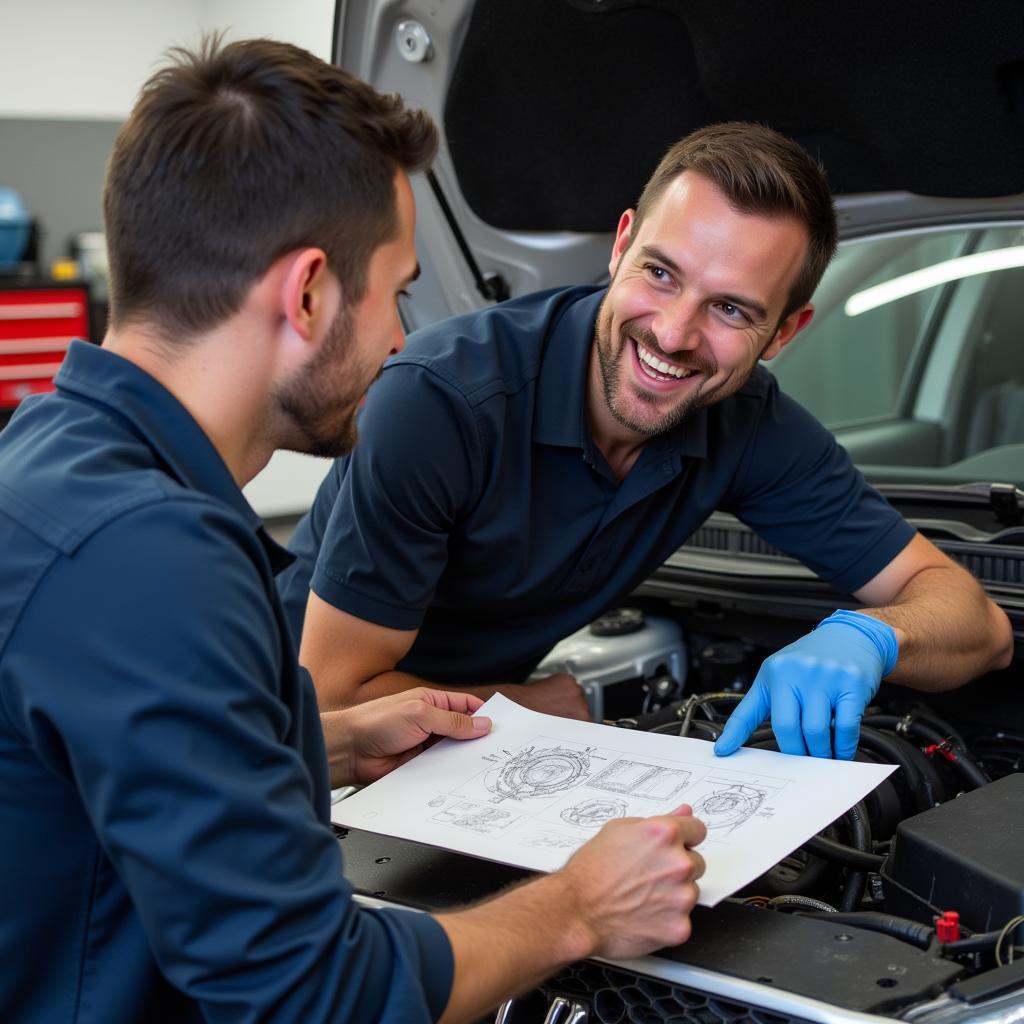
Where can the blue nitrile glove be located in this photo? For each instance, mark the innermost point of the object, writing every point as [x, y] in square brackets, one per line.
[834, 671]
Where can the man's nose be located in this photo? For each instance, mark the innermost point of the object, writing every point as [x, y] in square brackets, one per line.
[678, 328]
[398, 339]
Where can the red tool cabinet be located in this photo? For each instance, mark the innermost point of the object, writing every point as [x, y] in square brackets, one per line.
[37, 323]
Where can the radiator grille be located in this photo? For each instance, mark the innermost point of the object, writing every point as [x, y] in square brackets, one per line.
[614, 996]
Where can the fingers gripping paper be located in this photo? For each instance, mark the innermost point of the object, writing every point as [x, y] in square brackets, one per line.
[537, 787]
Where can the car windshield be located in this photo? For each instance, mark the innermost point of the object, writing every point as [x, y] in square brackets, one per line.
[915, 358]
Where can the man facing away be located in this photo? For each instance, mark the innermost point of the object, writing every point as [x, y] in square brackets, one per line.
[164, 790]
[524, 467]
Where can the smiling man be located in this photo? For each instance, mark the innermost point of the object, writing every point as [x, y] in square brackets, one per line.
[524, 467]
[164, 789]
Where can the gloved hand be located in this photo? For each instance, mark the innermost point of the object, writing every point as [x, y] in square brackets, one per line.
[833, 671]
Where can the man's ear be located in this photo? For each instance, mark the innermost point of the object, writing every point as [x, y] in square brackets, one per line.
[788, 330]
[306, 293]
[622, 237]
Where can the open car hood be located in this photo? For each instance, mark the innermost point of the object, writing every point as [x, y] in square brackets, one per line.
[556, 111]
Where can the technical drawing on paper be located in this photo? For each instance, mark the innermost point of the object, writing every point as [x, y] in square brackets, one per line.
[550, 839]
[538, 771]
[731, 798]
[635, 778]
[475, 817]
[730, 807]
[594, 813]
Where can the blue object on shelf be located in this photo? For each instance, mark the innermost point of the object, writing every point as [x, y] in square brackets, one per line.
[14, 228]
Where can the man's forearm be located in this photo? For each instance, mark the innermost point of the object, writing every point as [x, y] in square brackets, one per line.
[949, 632]
[559, 694]
[510, 944]
[397, 682]
[629, 890]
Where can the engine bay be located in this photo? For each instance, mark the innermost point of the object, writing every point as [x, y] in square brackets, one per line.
[909, 906]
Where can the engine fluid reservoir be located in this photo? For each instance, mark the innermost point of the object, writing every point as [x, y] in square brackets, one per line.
[613, 657]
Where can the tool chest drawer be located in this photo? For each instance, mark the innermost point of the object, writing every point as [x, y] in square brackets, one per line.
[37, 324]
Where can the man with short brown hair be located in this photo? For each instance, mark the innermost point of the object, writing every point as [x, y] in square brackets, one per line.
[526, 466]
[164, 789]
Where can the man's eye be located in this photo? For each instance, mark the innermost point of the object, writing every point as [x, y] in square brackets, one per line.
[732, 312]
[658, 273]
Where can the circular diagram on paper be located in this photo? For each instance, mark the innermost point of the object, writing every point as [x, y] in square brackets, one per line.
[594, 813]
[727, 808]
[539, 773]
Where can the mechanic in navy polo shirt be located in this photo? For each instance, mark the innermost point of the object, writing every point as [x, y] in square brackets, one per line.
[164, 793]
[524, 467]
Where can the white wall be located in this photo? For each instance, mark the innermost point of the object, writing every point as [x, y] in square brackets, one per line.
[86, 60]
[75, 59]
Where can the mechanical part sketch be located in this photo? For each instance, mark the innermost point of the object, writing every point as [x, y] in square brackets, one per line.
[538, 772]
[730, 807]
[535, 788]
[636, 778]
[594, 813]
[476, 817]
[550, 839]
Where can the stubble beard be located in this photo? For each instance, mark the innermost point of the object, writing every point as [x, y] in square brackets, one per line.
[321, 420]
[612, 367]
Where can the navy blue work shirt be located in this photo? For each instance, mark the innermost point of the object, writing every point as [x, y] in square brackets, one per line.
[477, 509]
[165, 852]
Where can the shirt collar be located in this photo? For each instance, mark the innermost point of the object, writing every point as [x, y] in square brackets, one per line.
[561, 390]
[104, 377]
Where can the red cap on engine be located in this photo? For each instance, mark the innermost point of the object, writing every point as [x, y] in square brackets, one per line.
[947, 927]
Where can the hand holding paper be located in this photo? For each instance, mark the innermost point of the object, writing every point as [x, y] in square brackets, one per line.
[366, 741]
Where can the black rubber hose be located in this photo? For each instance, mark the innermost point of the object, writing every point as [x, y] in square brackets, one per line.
[978, 942]
[859, 828]
[928, 716]
[914, 932]
[922, 730]
[975, 944]
[848, 856]
[920, 788]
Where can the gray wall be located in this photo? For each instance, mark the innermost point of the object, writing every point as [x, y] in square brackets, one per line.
[57, 167]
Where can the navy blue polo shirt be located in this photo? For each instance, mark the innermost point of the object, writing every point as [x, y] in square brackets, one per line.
[165, 851]
[477, 509]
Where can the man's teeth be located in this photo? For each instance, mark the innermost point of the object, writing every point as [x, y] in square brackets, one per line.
[663, 368]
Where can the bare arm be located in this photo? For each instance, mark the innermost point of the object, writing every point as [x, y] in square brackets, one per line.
[948, 630]
[352, 660]
[628, 891]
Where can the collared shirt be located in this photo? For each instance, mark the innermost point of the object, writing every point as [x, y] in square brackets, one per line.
[477, 509]
[165, 851]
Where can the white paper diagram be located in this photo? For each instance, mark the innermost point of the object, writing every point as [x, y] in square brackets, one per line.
[638, 778]
[538, 771]
[726, 800]
[594, 813]
[537, 787]
[480, 818]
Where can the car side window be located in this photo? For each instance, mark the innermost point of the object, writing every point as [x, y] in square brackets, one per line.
[915, 359]
[850, 368]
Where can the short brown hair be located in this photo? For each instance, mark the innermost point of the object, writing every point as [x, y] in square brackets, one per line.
[762, 172]
[235, 155]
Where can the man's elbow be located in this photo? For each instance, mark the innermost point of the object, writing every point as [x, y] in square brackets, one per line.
[336, 686]
[1003, 646]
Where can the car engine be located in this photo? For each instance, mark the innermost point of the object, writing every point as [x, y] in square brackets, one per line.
[910, 906]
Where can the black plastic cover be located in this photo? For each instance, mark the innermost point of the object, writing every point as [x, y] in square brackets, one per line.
[965, 855]
[850, 967]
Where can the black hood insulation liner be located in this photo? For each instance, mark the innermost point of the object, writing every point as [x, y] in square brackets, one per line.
[558, 110]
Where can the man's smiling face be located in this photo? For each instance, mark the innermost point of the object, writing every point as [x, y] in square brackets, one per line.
[697, 296]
